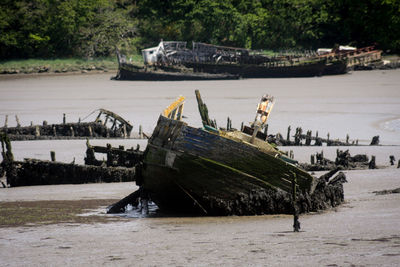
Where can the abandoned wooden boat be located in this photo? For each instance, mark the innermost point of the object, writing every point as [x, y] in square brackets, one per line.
[218, 172]
[282, 70]
[173, 61]
[128, 71]
[107, 124]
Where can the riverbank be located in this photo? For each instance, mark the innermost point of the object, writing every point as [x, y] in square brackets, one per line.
[66, 65]
[99, 65]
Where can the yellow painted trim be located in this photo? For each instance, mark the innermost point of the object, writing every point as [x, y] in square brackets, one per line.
[174, 106]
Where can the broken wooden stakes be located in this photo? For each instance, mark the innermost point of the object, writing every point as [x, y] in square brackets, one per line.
[106, 125]
[343, 160]
[120, 166]
[307, 139]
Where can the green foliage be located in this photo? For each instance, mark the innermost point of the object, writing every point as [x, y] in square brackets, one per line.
[49, 28]
[92, 28]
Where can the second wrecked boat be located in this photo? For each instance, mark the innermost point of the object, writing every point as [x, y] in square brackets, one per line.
[218, 172]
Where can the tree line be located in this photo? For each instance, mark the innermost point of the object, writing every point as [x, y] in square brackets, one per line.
[93, 28]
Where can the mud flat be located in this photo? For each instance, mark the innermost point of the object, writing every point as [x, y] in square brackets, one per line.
[362, 232]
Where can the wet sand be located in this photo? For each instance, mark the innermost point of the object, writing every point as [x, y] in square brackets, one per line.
[362, 232]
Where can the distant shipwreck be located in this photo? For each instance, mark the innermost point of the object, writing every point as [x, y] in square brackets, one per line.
[173, 61]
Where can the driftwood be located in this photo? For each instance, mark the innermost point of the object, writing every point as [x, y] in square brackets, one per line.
[386, 192]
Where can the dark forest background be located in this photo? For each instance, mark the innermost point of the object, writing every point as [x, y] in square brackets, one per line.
[93, 28]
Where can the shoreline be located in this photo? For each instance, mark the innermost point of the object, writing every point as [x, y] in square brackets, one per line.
[52, 74]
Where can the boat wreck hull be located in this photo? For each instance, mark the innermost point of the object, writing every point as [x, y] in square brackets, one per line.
[257, 71]
[188, 169]
[134, 74]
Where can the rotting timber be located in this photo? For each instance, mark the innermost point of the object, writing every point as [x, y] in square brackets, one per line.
[171, 60]
[210, 171]
[120, 166]
[106, 125]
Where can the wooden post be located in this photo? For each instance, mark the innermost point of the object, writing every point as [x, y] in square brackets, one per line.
[204, 111]
[37, 131]
[72, 131]
[266, 129]
[140, 132]
[53, 156]
[392, 159]
[288, 133]
[64, 119]
[124, 131]
[308, 138]
[372, 164]
[17, 119]
[90, 131]
[253, 137]
[296, 223]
